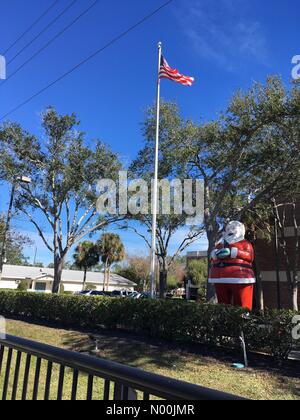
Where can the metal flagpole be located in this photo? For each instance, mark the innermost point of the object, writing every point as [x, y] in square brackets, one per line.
[155, 183]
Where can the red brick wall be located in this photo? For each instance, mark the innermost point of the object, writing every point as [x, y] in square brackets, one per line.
[270, 295]
[266, 258]
[265, 254]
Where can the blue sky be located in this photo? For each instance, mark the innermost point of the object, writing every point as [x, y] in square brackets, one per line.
[224, 44]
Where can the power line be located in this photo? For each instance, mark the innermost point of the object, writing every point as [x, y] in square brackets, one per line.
[31, 26]
[50, 42]
[109, 44]
[43, 31]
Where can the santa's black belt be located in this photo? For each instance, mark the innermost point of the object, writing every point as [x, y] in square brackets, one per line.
[224, 265]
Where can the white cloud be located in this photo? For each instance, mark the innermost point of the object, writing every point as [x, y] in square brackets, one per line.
[222, 33]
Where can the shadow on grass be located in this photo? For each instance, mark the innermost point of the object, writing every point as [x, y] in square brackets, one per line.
[125, 350]
[138, 351]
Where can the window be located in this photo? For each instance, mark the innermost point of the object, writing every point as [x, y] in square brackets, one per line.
[40, 287]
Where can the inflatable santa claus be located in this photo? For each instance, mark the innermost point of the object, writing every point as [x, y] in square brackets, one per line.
[231, 268]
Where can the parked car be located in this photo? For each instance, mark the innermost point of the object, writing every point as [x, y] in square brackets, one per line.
[83, 293]
[145, 295]
[137, 295]
[120, 294]
[97, 293]
[91, 293]
[134, 295]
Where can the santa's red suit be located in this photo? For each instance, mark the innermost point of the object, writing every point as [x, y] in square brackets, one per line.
[231, 268]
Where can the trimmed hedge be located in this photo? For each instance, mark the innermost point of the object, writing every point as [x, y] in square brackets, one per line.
[178, 321]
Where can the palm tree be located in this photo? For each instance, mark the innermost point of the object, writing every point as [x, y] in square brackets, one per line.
[111, 251]
[86, 256]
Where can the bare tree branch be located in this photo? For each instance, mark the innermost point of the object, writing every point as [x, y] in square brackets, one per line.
[40, 232]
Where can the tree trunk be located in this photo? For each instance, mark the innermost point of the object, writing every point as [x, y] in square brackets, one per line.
[212, 235]
[105, 275]
[58, 261]
[84, 279]
[163, 277]
[260, 302]
[296, 261]
[108, 278]
[212, 231]
[58, 268]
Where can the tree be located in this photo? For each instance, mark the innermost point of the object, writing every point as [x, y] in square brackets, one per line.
[15, 245]
[86, 256]
[64, 173]
[137, 271]
[168, 225]
[196, 272]
[259, 223]
[249, 155]
[111, 251]
[22, 286]
[177, 272]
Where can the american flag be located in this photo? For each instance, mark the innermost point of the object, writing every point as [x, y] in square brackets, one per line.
[166, 72]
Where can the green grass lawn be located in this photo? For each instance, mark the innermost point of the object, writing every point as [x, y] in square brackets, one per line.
[254, 383]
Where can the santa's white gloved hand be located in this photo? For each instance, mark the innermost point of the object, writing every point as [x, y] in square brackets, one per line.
[234, 253]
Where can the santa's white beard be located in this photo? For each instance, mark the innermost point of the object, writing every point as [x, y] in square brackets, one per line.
[233, 239]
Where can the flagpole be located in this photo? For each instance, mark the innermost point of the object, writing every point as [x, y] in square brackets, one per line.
[155, 183]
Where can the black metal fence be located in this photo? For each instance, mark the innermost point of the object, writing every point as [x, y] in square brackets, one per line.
[34, 371]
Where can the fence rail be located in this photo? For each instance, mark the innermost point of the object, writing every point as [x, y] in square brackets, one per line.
[31, 371]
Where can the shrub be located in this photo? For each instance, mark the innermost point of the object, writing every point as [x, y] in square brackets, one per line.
[23, 286]
[179, 321]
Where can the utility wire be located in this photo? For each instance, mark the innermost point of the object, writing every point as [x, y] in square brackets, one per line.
[109, 44]
[31, 26]
[43, 30]
[50, 42]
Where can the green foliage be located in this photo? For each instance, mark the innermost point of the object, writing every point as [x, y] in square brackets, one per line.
[86, 255]
[131, 274]
[111, 249]
[197, 271]
[247, 156]
[23, 286]
[176, 320]
[64, 172]
[15, 245]
[172, 125]
[172, 282]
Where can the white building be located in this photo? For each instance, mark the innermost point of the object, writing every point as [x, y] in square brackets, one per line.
[41, 279]
[197, 255]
